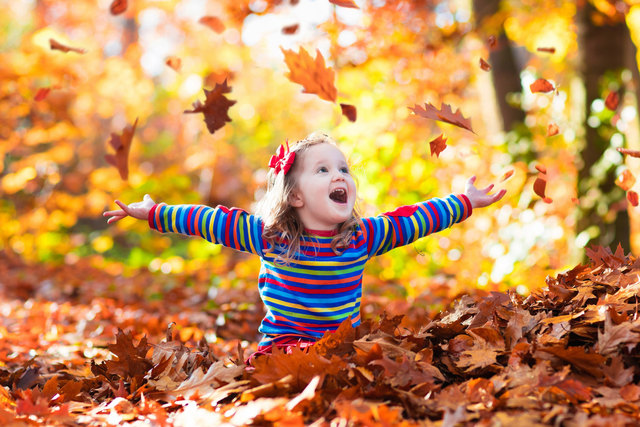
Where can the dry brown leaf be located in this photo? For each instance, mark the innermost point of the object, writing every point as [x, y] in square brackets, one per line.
[118, 6]
[345, 3]
[541, 85]
[547, 49]
[290, 29]
[122, 145]
[215, 107]
[485, 65]
[56, 45]
[438, 145]
[492, 41]
[628, 152]
[314, 76]
[349, 111]
[445, 114]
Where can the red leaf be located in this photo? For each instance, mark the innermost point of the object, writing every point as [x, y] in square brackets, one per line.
[540, 186]
[215, 107]
[445, 114]
[42, 93]
[632, 153]
[612, 100]
[118, 6]
[122, 145]
[507, 175]
[541, 168]
[541, 85]
[492, 41]
[632, 197]
[345, 3]
[349, 111]
[552, 129]
[438, 145]
[290, 29]
[212, 22]
[174, 62]
[547, 49]
[626, 180]
[485, 65]
[312, 74]
[55, 45]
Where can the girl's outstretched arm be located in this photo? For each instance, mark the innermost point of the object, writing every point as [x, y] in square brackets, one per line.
[480, 198]
[139, 210]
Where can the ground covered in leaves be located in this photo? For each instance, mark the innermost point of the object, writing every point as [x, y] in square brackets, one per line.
[79, 347]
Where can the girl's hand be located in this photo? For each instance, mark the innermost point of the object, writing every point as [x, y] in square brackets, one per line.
[139, 210]
[480, 198]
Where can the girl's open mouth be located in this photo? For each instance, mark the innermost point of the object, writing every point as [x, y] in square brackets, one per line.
[339, 195]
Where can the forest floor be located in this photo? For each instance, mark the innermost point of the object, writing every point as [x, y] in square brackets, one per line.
[81, 347]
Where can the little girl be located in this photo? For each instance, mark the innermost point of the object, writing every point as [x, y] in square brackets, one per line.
[312, 243]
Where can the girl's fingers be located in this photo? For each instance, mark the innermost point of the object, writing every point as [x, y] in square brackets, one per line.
[124, 207]
[116, 212]
[115, 218]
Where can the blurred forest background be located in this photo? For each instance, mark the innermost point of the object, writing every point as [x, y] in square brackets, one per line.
[151, 60]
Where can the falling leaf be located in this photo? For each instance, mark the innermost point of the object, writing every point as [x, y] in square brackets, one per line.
[632, 197]
[632, 153]
[122, 145]
[445, 114]
[438, 145]
[541, 85]
[174, 62]
[345, 3]
[55, 45]
[312, 74]
[215, 108]
[626, 180]
[540, 186]
[485, 65]
[547, 49]
[552, 129]
[213, 22]
[492, 41]
[349, 111]
[290, 29]
[541, 168]
[118, 6]
[507, 175]
[612, 100]
[42, 93]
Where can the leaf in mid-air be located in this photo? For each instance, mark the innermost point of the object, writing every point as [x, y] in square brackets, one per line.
[42, 93]
[552, 129]
[174, 62]
[290, 29]
[212, 22]
[215, 107]
[345, 3]
[492, 41]
[314, 76]
[444, 114]
[485, 65]
[632, 197]
[507, 175]
[547, 49]
[438, 145]
[349, 111]
[612, 100]
[628, 152]
[122, 145]
[540, 184]
[541, 85]
[626, 180]
[56, 45]
[118, 6]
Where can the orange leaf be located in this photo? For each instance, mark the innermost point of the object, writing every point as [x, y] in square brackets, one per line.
[541, 168]
[540, 186]
[290, 29]
[55, 45]
[438, 145]
[552, 129]
[122, 145]
[547, 49]
[42, 93]
[312, 74]
[118, 6]
[349, 111]
[215, 107]
[632, 197]
[174, 62]
[626, 180]
[612, 100]
[445, 114]
[212, 22]
[507, 175]
[345, 3]
[630, 392]
[632, 153]
[485, 65]
[541, 85]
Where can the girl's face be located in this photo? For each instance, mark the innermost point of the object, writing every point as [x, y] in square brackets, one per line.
[325, 191]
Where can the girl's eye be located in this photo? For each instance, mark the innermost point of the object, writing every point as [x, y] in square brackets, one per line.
[323, 169]
[344, 170]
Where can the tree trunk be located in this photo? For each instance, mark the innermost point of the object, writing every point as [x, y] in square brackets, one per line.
[604, 48]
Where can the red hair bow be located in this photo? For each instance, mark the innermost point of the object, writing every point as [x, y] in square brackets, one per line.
[283, 159]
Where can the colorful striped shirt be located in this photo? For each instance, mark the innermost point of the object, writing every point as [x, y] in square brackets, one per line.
[318, 289]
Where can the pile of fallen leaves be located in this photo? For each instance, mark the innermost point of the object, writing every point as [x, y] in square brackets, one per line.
[565, 355]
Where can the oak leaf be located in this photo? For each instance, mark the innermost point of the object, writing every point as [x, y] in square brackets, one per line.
[444, 114]
[56, 45]
[349, 111]
[612, 100]
[345, 3]
[130, 358]
[541, 85]
[122, 145]
[213, 22]
[215, 107]
[626, 180]
[438, 145]
[314, 76]
[118, 6]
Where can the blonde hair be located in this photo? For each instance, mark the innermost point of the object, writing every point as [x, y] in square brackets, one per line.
[282, 226]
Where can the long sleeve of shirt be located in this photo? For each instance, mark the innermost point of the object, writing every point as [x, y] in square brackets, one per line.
[409, 223]
[234, 228]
